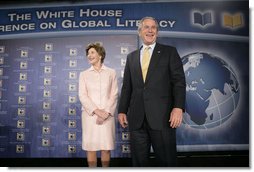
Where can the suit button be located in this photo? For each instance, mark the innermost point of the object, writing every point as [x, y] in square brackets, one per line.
[144, 88]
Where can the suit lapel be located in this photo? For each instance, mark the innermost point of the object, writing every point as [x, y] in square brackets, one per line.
[154, 61]
[137, 66]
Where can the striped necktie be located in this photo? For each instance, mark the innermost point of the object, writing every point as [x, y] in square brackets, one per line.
[145, 62]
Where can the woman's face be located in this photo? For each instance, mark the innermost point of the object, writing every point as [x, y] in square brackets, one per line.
[93, 57]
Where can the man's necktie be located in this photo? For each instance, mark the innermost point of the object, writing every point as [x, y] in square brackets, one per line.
[145, 62]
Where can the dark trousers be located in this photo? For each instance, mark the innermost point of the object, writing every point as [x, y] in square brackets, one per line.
[162, 141]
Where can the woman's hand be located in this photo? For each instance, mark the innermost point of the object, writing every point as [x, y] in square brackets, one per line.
[101, 113]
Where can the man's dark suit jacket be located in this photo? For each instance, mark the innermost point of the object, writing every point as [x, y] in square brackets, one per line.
[163, 89]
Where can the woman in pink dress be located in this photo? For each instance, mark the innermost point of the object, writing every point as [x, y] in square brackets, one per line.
[98, 93]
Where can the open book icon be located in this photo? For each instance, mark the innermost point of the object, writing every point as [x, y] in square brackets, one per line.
[233, 20]
[202, 19]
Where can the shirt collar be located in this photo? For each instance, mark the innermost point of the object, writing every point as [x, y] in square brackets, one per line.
[152, 45]
[103, 67]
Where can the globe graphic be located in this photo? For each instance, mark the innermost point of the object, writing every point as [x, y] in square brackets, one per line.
[212, 90]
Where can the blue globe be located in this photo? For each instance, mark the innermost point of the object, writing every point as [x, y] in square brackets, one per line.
[212, 90]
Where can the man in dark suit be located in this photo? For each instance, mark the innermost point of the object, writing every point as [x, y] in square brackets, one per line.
[152, 98]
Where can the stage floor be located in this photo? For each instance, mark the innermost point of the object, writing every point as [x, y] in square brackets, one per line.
[190, 159]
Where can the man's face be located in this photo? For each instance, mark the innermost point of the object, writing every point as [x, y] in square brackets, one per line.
[148, 32]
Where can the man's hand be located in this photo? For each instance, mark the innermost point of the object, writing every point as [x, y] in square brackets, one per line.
[122, 118]
[176, 117]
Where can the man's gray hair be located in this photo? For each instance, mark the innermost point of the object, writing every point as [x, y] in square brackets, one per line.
[144, 18]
